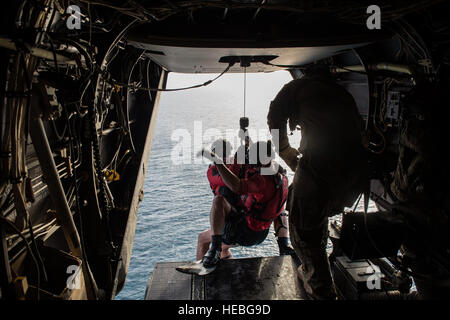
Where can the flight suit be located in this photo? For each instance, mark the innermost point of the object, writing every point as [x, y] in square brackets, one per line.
[421, 186]
[328, 175]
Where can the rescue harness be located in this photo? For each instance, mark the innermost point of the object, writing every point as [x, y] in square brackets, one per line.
[248, 205]
[259, 210]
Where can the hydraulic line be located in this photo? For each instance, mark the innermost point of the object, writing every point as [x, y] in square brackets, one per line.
[376, 66]
[50, 173]
[38, 52]
[92, 111]
[130, 86]
[103, 198]
[57, 194]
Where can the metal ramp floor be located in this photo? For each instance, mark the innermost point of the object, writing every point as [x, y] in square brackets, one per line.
[262, 278]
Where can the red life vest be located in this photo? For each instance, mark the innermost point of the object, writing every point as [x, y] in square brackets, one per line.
[214, 178]
[260, 215]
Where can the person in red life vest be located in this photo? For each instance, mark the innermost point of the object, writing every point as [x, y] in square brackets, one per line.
[262, 193]
[222, 148]
[280, 224]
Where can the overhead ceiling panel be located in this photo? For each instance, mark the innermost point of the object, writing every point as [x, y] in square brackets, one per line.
[206, 60]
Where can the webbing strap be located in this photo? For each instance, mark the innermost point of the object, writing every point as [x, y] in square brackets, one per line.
[281, 201]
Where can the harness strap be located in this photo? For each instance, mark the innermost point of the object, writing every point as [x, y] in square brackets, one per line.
[281, 201]
[242, 172]
[282, 226]
[278, 229]
[256, 213]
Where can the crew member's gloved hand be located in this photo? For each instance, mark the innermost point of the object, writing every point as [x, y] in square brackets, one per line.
[290, 156]
[283, 246]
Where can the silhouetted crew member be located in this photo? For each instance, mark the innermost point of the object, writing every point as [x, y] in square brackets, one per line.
[328, 174]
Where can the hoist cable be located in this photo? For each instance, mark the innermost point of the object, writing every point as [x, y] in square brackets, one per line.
[245, 88]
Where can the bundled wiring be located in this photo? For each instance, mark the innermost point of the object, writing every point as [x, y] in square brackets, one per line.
[134, 87]
[30, 251]
[103, 198]
[352, 12]
[77, 194]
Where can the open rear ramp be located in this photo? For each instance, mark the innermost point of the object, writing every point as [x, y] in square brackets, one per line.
[262, 278]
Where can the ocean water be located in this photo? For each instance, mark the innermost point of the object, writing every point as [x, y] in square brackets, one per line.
[177, 196]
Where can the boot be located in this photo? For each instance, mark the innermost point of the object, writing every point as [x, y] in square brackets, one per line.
[211, 258]
[315, 275]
